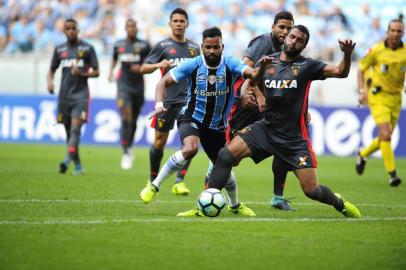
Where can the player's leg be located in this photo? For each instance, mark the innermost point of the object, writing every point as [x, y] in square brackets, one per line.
[280, 170]
[189, 135]
[126, 136]
[311, 188]
[388, 155]
[73, 144]
[64, 118]
[156, 152]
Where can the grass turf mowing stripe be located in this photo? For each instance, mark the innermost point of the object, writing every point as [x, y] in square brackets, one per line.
[78, 201]
[194, 219]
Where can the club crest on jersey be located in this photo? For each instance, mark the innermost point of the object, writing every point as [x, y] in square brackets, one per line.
[212, 79]
[81, 53]
[295, 70]
[302, 161]
[192, 52]
[137, 49]
[282, 84]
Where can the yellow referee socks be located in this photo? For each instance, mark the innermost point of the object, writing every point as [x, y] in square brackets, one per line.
[367, 151]
[388, 156]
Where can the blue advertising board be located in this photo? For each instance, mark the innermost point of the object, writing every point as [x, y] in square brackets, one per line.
[334, 131]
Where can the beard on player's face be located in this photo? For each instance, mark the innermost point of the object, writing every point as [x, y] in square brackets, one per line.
[292, 52]
[212, 60]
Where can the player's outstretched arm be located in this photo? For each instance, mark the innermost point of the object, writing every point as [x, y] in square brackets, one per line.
[160, 91]
[342, 70]
[148, 68]
[251, 96]
[256, 74]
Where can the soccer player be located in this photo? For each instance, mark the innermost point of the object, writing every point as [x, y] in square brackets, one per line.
[381, 77]
[203, 119]
[79, 62]
[283, 132]
[167, 54]
[265, 44]
[131, 52]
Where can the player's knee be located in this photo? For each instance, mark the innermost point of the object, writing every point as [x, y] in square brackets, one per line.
[189, 151]
[227, 157]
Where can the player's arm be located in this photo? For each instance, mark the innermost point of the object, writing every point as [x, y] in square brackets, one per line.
[147, 68]
[55, 61]
[113, 64]
[342, 70]
[248, 61]
[256, 74]
[363, 93]
[160, 92]
[251, 96]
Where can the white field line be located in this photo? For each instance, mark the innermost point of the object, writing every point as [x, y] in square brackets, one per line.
[79, 201]
[193, 220]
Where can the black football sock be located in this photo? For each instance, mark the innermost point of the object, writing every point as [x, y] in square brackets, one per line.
[125, 135]
[155, 157]
[324, 195]
[222, 169]
[280, 171]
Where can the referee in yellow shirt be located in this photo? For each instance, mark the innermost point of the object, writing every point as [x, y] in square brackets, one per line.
[381, 78]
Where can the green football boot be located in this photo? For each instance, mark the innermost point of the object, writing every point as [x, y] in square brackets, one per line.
[242, 210]
[349, 210]
[191, 213]
[180, 189]
[148, 193]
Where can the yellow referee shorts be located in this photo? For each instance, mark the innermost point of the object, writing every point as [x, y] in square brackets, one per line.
[385, 107]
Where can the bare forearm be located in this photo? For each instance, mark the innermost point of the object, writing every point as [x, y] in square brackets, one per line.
[50, 77]
[344, 66]
[360, 79]
[147, 68]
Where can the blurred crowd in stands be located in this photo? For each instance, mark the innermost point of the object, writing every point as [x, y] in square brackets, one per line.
[35, 26]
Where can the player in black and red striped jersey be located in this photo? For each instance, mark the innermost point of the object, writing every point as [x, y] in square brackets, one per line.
[131, 53]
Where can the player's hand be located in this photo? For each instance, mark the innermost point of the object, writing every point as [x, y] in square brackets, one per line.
[363, 97]
[261, 102]
[159, 108]
[164, 64]
[76, 71]
[308, 117]
[51, 88]
[249, 101]
[266, 61]
[111, 77]
[135, 68]
[346, 46]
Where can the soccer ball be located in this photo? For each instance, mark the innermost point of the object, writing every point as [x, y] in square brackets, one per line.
[210, 202]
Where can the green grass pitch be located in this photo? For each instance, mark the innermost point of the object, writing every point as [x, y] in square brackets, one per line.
[97, 221]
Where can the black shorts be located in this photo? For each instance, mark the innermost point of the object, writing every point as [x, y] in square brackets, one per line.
[165, 121]
[298, 154]
[239, 118]
[212, 140]
[130, 99]
[69, 110]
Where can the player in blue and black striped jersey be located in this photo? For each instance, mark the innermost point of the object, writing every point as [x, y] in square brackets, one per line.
[131, 53]
[79, 62]
[210, 79]
[283, 132]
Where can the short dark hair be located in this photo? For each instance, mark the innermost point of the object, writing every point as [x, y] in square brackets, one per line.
[70, 20]
[393, 21]
[212, 32]
[180, 11]
[303, 29]
[130, 20]
[283, 15]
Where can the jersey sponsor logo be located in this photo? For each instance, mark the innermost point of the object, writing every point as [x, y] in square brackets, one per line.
[212, 79]
[172, 51]
[201, 78]
[192, 52]
[129, 57]
[176, 61]
[72, 62]
[302, 161]
[221, 78]
[295, 70]
[282, 84]
[64, 54]
[205, 93]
